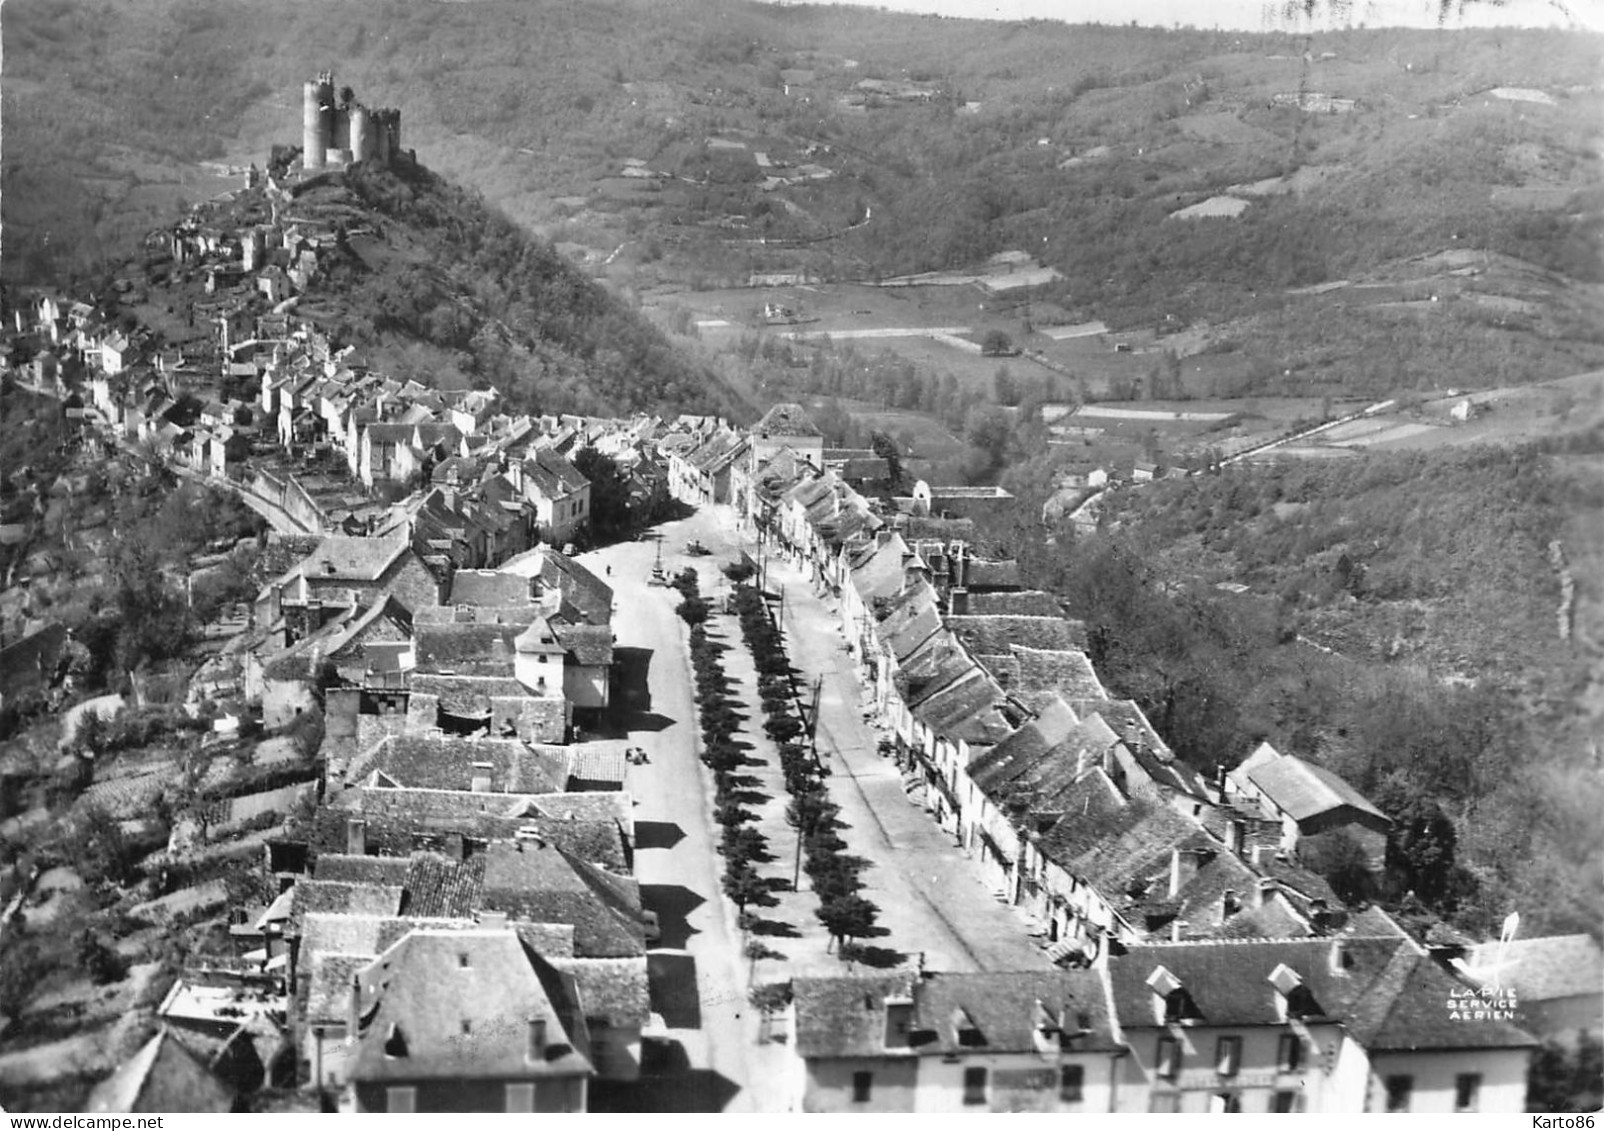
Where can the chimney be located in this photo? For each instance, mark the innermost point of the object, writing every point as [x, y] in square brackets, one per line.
[1339, 956]
[958, 602]
[1267, 891]
[454, 846]
[482, 774]
[537, 1039]
[1231, 904]
[1219, 778]
[356, 836]
[960, 565]
[492, 918]
[1234, 831]
[1177, 926]
[899, 1019]
[1256, 854]
[882, 537]
[1183, 866]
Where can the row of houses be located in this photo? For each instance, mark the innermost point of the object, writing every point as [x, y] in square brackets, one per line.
[1341, 1025]
[1147, 880]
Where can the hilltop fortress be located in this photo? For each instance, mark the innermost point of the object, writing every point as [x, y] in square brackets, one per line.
[338, 133]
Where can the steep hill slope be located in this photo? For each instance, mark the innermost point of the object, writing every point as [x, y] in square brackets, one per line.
[705, 142]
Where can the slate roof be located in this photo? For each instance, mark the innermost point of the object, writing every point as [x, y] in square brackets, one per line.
[429, 761]
[969, 710]
[1303, 790]
[1037, 676]
[991, 575]
[845, 1017]
[598, 764]
[591, 645]
[586, 598]
[1229, 981]
[339, 867]
[489, 587]
[440, 887]
[1024, 602]
[162, 1076]
[345, 558]
[458, 1003]
[1542, 969]
[1408, 1009]
[537, 882]
[463, 647]
[786, 419]
[992, 635]
[399, 821]
[1027, 747]
[328, 998]
[331, 896]
[613, 989]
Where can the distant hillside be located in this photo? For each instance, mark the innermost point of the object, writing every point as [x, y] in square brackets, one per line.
[701, 143]
[438, 286]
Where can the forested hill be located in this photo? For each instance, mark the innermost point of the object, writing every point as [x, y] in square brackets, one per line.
[436, 285]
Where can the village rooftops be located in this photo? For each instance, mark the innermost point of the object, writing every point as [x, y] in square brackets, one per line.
[396, 822]
[953, 1014]
[993, 635]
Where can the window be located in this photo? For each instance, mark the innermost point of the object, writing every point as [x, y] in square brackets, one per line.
[1168, 1059]
[520, 1097]
[862, 1083]
[1165, 1103]
[1284, 1102]
[974, 1085]
[1467, 1091]
[1229, 1103]
[1289, 1058]
[1071, 1083]
[1399, 1090]
[398, 1100]
[1228, 1055]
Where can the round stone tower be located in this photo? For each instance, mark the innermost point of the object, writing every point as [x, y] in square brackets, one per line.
[362, 140]
[311, 128]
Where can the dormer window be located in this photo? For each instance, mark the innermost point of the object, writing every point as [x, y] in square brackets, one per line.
[1172, 1004]
[967, 1031]
[395, 1045]
[1293, 997]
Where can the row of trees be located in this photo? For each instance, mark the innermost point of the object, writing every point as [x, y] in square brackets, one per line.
[742, 845]
[836, 875]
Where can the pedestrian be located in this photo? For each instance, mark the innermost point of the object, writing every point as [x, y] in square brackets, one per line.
[609, 571]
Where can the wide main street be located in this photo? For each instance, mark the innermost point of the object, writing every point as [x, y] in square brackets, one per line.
[931, 900]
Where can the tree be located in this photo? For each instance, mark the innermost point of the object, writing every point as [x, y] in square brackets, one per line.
[848, 917]
[745, 887]
[1563, 1080]
[1341, 861]
[997, 344]
[609, 492]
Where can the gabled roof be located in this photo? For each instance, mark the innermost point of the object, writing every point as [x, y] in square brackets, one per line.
[329, 896]
[1303, 790]
[533, 881]
[435, 761]
[457, 1005]
[589, 645]
[1229, 981]
[1410, 1007]
[399, 821]
[951, 1013]
[786, 419]
[162, 1076]
[344, 558]
[993, 635]
[489, 587]
[1543, 969]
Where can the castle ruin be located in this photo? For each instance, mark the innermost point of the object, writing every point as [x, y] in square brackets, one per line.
[338, 133]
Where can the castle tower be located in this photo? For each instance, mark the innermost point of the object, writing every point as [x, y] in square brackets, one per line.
[362, 140]
[311, 128]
